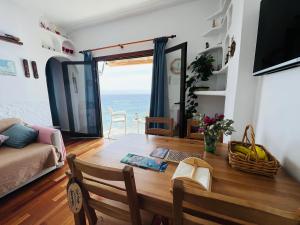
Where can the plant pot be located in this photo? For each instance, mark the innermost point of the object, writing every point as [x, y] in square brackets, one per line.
[210, 143]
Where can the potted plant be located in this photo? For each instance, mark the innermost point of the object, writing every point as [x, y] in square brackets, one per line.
[212, 128]
[202, 66]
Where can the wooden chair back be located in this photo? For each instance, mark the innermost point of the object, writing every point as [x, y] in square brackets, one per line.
[169, 122]
[89, 176]
[221, 209]
[191, 133]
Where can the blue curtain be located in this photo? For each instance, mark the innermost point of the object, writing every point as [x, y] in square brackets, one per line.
[159, 92]
[90, 94]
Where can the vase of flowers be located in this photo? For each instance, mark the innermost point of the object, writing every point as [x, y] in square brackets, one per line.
[213, 128]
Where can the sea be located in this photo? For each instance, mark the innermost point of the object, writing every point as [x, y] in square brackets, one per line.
[135, 106]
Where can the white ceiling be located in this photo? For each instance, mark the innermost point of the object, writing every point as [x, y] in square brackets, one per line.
[74, 14]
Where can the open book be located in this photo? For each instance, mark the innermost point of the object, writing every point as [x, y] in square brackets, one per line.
[194, 172]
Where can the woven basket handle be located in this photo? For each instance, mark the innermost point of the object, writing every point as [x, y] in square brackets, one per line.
[252, 141]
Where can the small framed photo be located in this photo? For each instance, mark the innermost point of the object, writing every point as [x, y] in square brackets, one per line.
[34, 69]
[26, 68]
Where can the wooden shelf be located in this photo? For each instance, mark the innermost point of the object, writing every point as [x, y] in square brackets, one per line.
[11, 41]
[224, 70]
[220, 12]
[210, 93]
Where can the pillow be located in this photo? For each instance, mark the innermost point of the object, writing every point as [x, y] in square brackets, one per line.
[20, 136]
[3, 138]
[7, 123]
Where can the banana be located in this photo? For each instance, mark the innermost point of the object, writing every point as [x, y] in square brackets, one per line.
[260, 152]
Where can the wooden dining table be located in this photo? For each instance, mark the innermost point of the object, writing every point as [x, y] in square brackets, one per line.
[154, 188]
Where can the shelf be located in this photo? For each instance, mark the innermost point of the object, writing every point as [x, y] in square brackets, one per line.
[11, 40]
[216, 30]
[221, 11]
[210, 93]
[214, 48]
[56, 42]
[221, 71]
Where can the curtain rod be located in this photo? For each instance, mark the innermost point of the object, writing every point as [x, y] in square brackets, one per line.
[122, 45]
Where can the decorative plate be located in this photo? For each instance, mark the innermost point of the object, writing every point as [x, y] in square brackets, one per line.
[176, 66]
[75, 197]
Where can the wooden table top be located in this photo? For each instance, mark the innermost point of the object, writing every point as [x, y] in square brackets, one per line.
[282, 192]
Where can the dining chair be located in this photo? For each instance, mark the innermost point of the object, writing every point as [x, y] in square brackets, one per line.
[169, 122]
[220, 209]
[117, 117]
[90, 178]
[192, 130]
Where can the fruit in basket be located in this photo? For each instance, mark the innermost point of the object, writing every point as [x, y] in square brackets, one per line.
[247, 150]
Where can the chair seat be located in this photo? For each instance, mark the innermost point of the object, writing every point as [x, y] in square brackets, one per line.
[121, 113]
[118, 119]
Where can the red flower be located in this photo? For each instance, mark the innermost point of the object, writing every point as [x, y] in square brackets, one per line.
[221, 117]
[207, 120]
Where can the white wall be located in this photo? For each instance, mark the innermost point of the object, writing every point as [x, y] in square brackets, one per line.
[273, 99]
[20, 96]
[187, 21]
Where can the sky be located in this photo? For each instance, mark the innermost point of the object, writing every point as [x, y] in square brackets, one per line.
[131, 79]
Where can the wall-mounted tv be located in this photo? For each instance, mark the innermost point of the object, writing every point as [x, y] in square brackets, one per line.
[278, 38]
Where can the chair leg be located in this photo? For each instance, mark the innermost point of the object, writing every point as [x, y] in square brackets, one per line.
[109, 129]
[125, 125]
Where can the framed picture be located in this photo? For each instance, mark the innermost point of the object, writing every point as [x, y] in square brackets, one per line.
[26, 68]
[34, 69]
[7, 67]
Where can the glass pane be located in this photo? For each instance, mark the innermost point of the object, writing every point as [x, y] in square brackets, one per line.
[82, 93]
[174, 76]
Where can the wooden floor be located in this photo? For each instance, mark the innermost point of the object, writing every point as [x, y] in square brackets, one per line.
[44, 201]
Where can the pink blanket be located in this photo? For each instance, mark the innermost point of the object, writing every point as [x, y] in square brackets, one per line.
[45, 136]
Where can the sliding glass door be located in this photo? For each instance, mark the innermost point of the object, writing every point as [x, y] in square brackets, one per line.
[176, 73]
[83, 99]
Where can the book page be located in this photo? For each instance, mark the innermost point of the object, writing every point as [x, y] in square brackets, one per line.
[183, 170]
[202, 176]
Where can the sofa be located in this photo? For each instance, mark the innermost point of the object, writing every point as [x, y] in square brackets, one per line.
[19, 167]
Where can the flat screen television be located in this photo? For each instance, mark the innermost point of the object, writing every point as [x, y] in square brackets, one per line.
[278, 38]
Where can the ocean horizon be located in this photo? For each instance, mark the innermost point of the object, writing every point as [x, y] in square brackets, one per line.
[136, 104]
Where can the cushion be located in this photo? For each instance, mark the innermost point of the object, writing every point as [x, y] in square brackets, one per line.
[20, 136]
[6, 123]
[2, 139]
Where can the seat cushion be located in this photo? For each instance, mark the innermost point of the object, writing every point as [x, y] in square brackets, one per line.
[17, 166]
[20, 136]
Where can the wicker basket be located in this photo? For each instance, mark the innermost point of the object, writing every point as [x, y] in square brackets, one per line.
[245, 163]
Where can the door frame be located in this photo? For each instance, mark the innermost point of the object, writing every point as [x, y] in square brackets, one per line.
[182, 118]
[149, 52]
[69, 99]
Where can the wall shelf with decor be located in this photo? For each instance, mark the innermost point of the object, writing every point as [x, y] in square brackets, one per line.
[218, 29]
[223, 70]
[211, 49]
[56, 42]
[212, 100]
[221, 12]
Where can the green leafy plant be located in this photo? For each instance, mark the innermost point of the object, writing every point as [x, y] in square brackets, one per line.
[191, 103]
[202, 66]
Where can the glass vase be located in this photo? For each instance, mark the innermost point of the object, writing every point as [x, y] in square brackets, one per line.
[210, 143]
